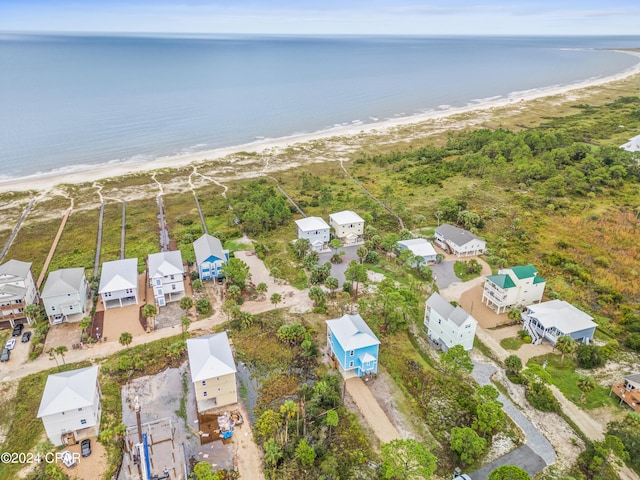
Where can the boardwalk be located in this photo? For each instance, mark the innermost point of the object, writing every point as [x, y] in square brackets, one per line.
[287, 196]
[52, 250]
[124, 224]
[16, 229]
[96, 263]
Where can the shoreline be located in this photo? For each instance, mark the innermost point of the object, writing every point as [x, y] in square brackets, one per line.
[44, 182]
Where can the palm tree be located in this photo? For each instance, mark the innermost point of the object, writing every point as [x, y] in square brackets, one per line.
[184, 323]
[125, 339]
[288, 411]
[52, 355]
[186, 303]
[565, 344]
[586, 385]
[61, 350]
[276, 298]
[32, 311]
[262, 289]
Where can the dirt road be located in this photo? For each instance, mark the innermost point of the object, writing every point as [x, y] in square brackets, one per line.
[247, 452]
[371, 411]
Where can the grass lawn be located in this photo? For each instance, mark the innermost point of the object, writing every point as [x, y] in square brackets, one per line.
[141, 230]
[461, 272]
[564, 376]
[513, 343]
[111, 232]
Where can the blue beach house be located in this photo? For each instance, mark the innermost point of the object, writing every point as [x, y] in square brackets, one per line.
[353, 346]
[210, 256]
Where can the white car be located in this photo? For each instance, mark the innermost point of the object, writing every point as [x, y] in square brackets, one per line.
[10, 344]
[68, 459]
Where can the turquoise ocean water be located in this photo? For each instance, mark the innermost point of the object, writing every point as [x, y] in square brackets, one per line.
[76, 100]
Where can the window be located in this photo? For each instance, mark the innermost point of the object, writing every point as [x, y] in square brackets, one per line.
[217, 378]
[83, 422]
[204, 383]
[351, 353]
[173, 286]
[351, 363]
[204, 394]
[53, 308]
[80, 409]
[218, 388]
[439, 321]
[172, 277]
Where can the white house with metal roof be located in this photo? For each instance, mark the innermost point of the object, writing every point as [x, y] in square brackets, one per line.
[70, 407]
[166, 276]
[632, 145]
[316, 230]
[513, 287]
[348, 226]
[353, 346]
[556, 318]
[420, 248]
[65, 295]
[17, 290]
[119, 283]
[213, 371]
[210, 257]
[447, 325]
[458, 241]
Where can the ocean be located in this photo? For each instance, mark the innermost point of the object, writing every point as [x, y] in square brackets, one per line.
[71, 101]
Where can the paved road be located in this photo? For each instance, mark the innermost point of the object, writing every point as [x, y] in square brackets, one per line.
[444, 273]
[338, 269]
[523, 457]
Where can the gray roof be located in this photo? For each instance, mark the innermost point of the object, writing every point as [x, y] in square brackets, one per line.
[68, 391]
[419, 246]
[64, 281]
[309, 224]
[345, 217]
[206, 246]
[14, 268]
[456, 315]
[635, 378]
[456, 235]
[163, 264]
[632, 145]
[561, 315]
[352, 332]
[119, 275]
[210, 356]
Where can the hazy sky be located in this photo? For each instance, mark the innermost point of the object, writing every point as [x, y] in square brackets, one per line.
[570, 17]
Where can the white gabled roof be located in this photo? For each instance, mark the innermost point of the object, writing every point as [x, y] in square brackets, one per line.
[419, 247]
[119, 275]
[163, 264]
[352, 332]
[632, 145]
[206, 246]
[210, 356]
[63, 282]
[561, 315]
[310, 224]
[69, 391]
[14, 270]
[345, 217]
[456, 315]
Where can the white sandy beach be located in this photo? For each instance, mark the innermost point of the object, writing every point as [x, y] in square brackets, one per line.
[76, 175]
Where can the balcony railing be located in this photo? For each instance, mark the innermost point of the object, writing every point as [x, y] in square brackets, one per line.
[630, 397]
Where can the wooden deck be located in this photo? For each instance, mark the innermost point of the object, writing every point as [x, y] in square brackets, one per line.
[630, 397]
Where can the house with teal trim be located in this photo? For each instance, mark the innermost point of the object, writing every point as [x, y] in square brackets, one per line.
[513, 287]
[353, 347]
[210, 257]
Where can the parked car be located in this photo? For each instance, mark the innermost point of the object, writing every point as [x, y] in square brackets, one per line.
[67, 459]
[17, 330]
[85, 447]
[10, 344]
[4, 356]
[26, 336]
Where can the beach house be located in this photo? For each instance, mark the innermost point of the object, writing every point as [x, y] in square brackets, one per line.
[447, 325]
[422, 250]
[65, 295]
[213, 371]
[556, 318]
[166, 276]
[316, 230]
[353, 347]
[348, 226]
[458, 241]
[70, 406]
[17, 290]
[513, 287]
[119, 283]
[629, 391]
[210, 257]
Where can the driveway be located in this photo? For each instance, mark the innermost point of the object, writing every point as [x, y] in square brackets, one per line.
[371, 411]
[537, 451]
[338, 269]
[444, 274]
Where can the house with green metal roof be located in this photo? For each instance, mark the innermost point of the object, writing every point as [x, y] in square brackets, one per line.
[513, 287]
